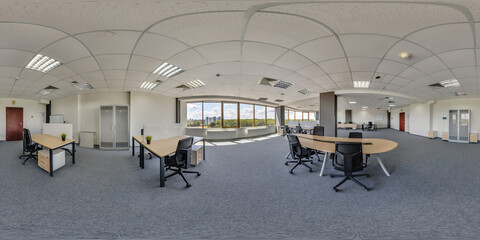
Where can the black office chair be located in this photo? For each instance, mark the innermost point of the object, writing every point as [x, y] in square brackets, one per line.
[287, 131]
[349, 159]
[298, 153]
[359, 135]
[181, 159]
[298, 129]
[29, 146]
[370, 126]
[318, 131]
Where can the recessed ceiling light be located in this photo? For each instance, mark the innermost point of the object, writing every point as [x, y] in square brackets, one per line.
[352, 102]
[43, 63]
[195, 84]
[43, 92]
[450, 83]
[149, 85]
[168, 70]
[391, 105]
[361, 84]
[405, 55]
[305, 91]
[83, 86]
[364, 107]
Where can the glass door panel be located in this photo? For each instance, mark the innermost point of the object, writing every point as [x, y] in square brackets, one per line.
[453, 125]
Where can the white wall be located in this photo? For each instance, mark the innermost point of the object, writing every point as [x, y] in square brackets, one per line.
[341, 115]
[369, 115]
[395, 120]
[419, 119]
[68, 107]
[440, 109]
[147, 108]
[33, 113]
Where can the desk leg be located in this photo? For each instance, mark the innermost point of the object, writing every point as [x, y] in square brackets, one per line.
[162, 172]
[142, 157]
[73, 152]
[51, 163]
[383, 166]
[204, 149]
[325, 158]
[133, 147]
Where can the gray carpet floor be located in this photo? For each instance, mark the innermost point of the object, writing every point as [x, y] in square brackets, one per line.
[245, 192]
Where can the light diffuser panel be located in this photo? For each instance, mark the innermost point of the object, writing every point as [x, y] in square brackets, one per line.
[43, 63]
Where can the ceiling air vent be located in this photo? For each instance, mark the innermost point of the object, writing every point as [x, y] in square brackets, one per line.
[283, 84]
[51, 88]
[262, 99]
[183, 86]
[278, 100]
[267, 81]
[436, 85]
[305, 91]
[391, 101]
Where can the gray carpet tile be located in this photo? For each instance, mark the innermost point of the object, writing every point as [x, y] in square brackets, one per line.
[245, 192]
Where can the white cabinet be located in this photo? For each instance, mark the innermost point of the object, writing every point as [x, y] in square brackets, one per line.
[114, 128]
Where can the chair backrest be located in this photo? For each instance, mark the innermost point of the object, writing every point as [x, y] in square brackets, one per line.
[355, 135]
[319, 131]
[295, 146]
[298, 129]
[184, 150]
[348, 157]
[370, 124]
[27, 140]
[141, 132]
[287, 130]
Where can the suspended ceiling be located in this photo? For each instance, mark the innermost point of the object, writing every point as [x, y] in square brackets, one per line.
[318, 45]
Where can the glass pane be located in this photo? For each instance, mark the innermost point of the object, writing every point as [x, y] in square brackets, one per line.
[121, 127]
[270, 116]
[212, 114]
[311, 116]
[194, 114]
[291, 115]
[298, 116]
[106, 124]
[453, 126]
[246, 115]
[259, 115]
[230, 114]
[463, 128]
[305, 116]
[286, 116]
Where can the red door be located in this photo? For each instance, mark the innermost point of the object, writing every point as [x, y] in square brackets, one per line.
[402, 122]
[14, 131]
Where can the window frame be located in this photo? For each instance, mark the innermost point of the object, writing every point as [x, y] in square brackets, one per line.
[238, 114]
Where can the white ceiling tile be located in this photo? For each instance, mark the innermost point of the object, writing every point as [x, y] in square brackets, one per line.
[362, 76]
[464, 72]
[114, 61]
[188, 59]
[93, 76]
[254, 68]
[136, 75]
[114, 74]
[311, 71]
[292, 61]
[9, 71]
[161, 47]
[220, 52]
[430, 65]
[19, 36]
[334, 66]
[363, 64]
[391, 67]
[62, 72]
[321, 49]
[84, 65]
[341, 77]
[48, 79]
[109, 41]
[261, 52]
[444, 37]
[66, 50]
[366, 45]
[458, 58]
[412, 73]
[442, 75]
[417, 52]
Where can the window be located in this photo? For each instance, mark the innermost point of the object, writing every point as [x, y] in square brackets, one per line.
[271, 116]
[246, 115]
[194, 115]
[305, 116]
[212, 114]
[230, 114]
[291, 115]
[259, 115]
[311, 116]
[298, 116]
[286, 116]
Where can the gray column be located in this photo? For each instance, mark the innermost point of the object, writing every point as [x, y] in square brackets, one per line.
[280, 115]
[328, 113]
[348, 116]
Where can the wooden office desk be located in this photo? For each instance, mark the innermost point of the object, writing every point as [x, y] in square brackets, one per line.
[53, 143]
[161, 148]
[372, 146]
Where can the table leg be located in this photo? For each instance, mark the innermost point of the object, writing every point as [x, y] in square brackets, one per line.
[162, 172]
[133, 146]
[73, 152]
[383, 166]
[51, 163]
[325, 158]
[142, 156]
[204, 149]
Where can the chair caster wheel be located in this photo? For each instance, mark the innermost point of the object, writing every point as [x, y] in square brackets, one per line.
[291, 172]
[286, 163]
[367, 176]
[198, 174]
[336, 190]
[188, 185]
[23, 163]
[311, 170]
[367, 189]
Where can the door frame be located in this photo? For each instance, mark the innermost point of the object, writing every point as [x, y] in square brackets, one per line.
[7, 136]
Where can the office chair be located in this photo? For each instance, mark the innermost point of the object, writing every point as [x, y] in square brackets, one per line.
[149, 153]
[349, 159]
[181, 159]
[298, 129]
[370, 126]
[287, 131]
[359, 135]
[29, 146]
[298, 153]
[318, 131]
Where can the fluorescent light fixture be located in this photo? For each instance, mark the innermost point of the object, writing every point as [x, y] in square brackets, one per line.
[44, 92]
[43, 63]
[149, 85]
[361, 84]
[364, 107]
[83, 86]
[450, 83]
[195, 84]
[168, 70]
[352, 102]
[305, 91]
[391, 105]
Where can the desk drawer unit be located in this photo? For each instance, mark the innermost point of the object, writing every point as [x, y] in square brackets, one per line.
[445, 136]
[473, 137]
[197, 155]
[44, 159]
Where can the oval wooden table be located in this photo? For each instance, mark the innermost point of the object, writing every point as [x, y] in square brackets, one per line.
[372, 146]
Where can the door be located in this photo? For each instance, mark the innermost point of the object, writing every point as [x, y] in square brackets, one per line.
[107, 137]
[402, 122]
[453, 125]
[464, 125]
[14, 123]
